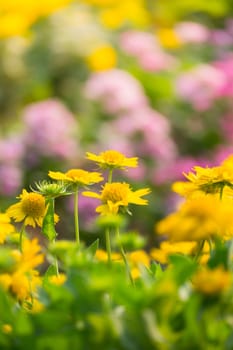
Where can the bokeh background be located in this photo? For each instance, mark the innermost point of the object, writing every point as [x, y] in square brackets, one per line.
[152, 79]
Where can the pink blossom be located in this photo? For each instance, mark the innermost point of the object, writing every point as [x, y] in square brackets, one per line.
[192, 32]
[201, 86]
[146, 49]
[50, 129]
[225, 66]
[173, 171]
[11, 149]
[10, 179]
[117, 90]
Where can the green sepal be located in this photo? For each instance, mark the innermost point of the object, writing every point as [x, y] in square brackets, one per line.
[48, 226]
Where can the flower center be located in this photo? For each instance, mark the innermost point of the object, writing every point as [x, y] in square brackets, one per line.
[76, 173]
[115, 192]
[112, 157]
[33, 205]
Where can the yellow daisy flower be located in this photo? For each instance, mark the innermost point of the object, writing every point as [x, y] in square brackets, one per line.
[211, 281]
[102, 58]
[112, 159]
[6, 227]
[199, 218]
[77, 177]
[117, 195]
[31, 209]
[166, 248]
[211, 180]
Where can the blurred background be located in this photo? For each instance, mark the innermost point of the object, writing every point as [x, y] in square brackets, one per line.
[152, 79]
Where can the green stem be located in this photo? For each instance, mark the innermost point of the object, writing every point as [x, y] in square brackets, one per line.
[76, 222]
[127, 267]
[221, 192]
[108, 245]
[110, 176]
[21, 232]
[199, 249]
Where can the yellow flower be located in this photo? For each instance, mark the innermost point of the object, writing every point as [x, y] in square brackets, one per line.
[166, 248]
[6, 227]
[210, 180]
[102, 58]
[117, 195]
[77, 177]
[101, 255]
[6, 328]
[58, 280]
[31, 255]
[31, 209]
[211, 281]
[136, 259]
[168, 38]
[196, 219]
[112, 159]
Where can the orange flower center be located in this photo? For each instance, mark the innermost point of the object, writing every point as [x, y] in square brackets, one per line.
[33, 205]
[112, 157]
[76, 173]
[115, 192]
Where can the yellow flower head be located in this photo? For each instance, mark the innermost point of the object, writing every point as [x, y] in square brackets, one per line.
[5, 227]
[117, 195]
[210, 180]
[167, 248]
[101, 255]
[77, 177]
[196, 219]
[58, 280]
[211, 281]
[102, 58]
[112, 159]
[31, 209]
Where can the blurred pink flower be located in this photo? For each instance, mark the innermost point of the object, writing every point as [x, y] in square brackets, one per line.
[192, 32]
[50, 129]
[147, 50]
[226, 124]
[201, 86]
[10, 179]
[117, 90]
[225, 66]
[11, 149]
[173, 171]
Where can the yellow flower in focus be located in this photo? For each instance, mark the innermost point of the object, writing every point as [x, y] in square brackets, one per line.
[112, 159]
[58, 280]
[211, 281]
[6, 227]
[31, 209]
[166, 248]
[168, 38]
[102, 58]
[117, 195]
[77, 177]
[211, 180]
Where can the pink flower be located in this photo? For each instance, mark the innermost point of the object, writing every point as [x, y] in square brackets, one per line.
[50, 129]
[10, 179]
[192, 32]
[117, 90]
[146, 49]
[201, 86]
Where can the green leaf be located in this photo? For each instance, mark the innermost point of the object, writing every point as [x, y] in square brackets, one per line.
[48, 227]
[51, 271]
[93, 247]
